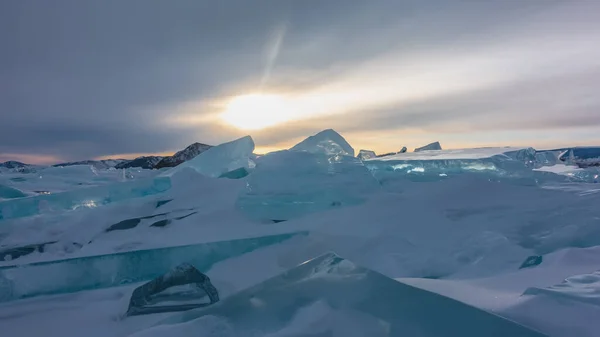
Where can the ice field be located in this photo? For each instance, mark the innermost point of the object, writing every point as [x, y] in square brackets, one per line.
[309, 241]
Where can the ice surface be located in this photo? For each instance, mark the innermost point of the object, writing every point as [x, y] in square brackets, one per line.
[289, 184]
[94, 272]
[327, 295]
[327, 142]
[220, 159]
[429, 147]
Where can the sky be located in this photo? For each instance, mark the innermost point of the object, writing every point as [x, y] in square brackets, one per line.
[83, 79]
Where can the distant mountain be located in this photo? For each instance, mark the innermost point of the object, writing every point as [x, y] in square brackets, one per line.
[99, 164]
[17, 166]
[11, 164]
[429, 147]
[184, 155]
[146, 162]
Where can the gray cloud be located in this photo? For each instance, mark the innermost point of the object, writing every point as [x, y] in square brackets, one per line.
[81, 79]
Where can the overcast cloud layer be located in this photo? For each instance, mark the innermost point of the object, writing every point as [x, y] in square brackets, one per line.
[83, 78]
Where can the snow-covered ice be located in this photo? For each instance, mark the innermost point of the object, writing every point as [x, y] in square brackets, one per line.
[416, 255]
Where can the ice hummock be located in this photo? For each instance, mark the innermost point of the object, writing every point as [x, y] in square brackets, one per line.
[581, 156]
[517, 164]
[327, 142]
[319, 173]
[332, 296]
[85, 197]
[290, 184]
[220, 159]
[429, 147]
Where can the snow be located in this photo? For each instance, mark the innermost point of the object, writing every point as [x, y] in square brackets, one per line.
[560, 169]
[462, 236]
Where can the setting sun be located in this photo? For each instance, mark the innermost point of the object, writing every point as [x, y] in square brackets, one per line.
[256, 111]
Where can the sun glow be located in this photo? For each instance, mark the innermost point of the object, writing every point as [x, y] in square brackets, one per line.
[256, 111]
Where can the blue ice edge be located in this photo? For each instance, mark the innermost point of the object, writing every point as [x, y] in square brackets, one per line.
[403, 310]
[84, 197]
[103, 271]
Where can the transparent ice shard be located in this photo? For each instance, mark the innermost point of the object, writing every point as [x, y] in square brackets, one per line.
[103, 271]
[347, 291]
[288, 184]
[235, 174]
[532, 261]
[83, 197]
[429, 147]
[7, 192]
[220, 159]
[327, 142]
[182, 288]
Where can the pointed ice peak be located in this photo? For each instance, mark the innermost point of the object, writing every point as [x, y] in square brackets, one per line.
[326, 142]
[429, 147]
[366, 154]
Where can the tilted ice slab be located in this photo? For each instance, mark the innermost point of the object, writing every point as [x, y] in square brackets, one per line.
[435, 146]
[289, 184]
[84, 197]
[95, 272]
[327, 142]
[332, 296]
[7, 192]
[220, 159]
